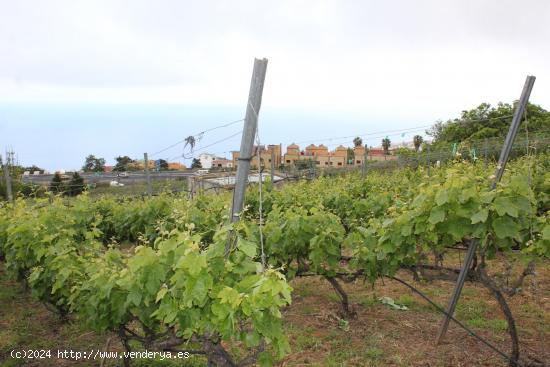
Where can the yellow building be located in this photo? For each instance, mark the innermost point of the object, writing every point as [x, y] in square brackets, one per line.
[265, 154]
[176, 166]
[292, 154]
[359, 155]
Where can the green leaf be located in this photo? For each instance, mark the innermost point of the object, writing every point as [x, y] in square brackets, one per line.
[230, 296]
[442, 197]
[437, 215]
[546, 233]
[504, 205]
[390, 302]
[161, 294]
[134, 297]
[480, 216]
[252, 339]
[247, 247]
[506, 227]
[265, 359]
[193, 262]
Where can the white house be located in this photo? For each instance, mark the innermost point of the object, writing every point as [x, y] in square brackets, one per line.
[206, 160]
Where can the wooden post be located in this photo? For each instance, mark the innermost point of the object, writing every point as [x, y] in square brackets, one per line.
[504, 154]
[147, 175]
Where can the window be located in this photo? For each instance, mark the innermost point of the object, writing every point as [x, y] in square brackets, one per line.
[288, 161]
[358, 162]
[339, 163]
[326, 163]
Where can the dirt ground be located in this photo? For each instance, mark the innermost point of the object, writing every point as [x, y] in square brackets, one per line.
[379, 334]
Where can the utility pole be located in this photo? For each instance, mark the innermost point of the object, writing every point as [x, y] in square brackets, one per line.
[247, 141]
[147, 175]
[504, 154]
[7, 179]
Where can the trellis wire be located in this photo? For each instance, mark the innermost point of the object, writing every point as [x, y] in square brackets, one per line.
[260, 186]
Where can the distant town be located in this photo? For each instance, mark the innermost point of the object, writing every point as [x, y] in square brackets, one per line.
[318, 155]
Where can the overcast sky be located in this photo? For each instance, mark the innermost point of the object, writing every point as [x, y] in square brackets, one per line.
[336, 68]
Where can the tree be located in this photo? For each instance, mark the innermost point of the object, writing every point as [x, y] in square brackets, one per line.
[122, 163]
[386, 144]
[163, 165]
[350, 154]
[93, 164]
[486, 121]
[357, 142]
[76, 185]
[196, 163]
[417, 140]
[57, 186]
[32, 169]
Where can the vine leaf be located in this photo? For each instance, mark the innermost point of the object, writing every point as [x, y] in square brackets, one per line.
[480, 216]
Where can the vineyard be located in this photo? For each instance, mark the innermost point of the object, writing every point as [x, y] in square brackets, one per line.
[171, 274]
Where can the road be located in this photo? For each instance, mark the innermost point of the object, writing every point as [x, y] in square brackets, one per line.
[132, 177]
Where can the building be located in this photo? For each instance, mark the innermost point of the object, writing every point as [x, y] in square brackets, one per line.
[319, 154]
[265, 153]
[176, 166]
[377, 154]
[292, 154]
[222, 163]
[359, 155]
[339, 156]
[206, 159]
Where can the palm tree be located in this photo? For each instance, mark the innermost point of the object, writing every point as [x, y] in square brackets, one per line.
[386, 144]
[357, 141]
[417, 140]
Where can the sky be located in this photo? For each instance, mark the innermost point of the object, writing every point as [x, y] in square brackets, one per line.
[124, 77]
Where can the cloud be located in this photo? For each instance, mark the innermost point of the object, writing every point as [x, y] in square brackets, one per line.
[364, 56]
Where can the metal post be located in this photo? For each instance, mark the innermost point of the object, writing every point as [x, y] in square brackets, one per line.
[504, 154]
[428, 163]
[147, 175]
[190, 187]
[518, 115]
[249, 132]
[272, 165]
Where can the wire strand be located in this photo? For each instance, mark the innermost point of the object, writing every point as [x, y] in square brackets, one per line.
[402, 130]
[260, 186]
[207, 146]
[200, 133]
[470, 331]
